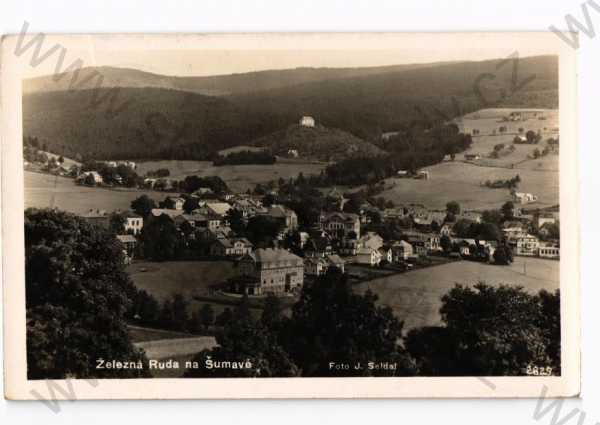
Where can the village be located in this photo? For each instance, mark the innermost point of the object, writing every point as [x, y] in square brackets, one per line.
[292, 238]
[212, 224]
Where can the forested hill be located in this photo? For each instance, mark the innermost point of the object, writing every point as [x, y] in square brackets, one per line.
[140, 123]
[157, 123]
[368, 105]
[325, 144]
[175, 124]
[218, 85]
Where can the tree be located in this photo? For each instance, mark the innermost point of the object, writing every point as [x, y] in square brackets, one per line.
[207, 315]
[532, 137]
[174, 313]
[117, 223]
[224, 318]
[89, 180]
[488, 331]
[508, 210]
[446, 243]
[77, 295]
[502, 255]
[143, 205]
[160, 239]
[492, 216]
[191, 203]
[145, 309]
[487, 232]
[549, 323]
[330, 323]
[271, 315]
[236, 221]
[247, 341]
[262, 230]
[453, 208]
[462, 228]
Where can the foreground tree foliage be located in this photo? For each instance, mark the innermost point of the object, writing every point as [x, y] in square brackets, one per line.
[245, 340]
[77, 294]
[490, 331]
[330, 323]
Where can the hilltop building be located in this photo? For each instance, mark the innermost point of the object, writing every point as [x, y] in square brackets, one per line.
[307, 121]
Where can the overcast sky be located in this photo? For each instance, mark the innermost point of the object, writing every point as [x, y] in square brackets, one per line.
[201, 56]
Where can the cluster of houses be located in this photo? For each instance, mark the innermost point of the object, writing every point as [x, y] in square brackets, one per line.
[336, 240]
[523, 243]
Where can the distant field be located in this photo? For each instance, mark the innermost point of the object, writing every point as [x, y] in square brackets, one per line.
[484, 144]
[238, 177]
[47, 191]
[237, 149]
[415, 296]
[43, 190]
[459, 181]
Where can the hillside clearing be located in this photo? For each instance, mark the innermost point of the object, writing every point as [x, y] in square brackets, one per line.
[461, 182]
[415, 296]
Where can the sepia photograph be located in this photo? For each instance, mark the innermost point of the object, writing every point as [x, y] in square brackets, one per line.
[294, 206]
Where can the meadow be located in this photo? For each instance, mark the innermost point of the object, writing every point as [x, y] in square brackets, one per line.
[462, 181]
[44, 190]
[416, 296]
[239, 178]
[188, 278]
[48, 191]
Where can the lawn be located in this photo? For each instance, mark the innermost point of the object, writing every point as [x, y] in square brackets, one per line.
[143, 334]
[484, 143]
[415, 296]
[462, 182]
[189, 278]
[47, 191]
[239, 178]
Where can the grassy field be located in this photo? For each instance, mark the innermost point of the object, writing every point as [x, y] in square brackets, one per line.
[415, 296]
[461, 182]
[239, 178]
[189, 278]
[143, 334]
[44, 190]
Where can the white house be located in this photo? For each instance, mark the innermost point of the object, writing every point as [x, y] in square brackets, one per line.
[307, 121]
[97, 177]
[175, 202]
[133, 223]
[231, 247]
[527, 245]
[524, 198]
[549, 252]
[401, 251]
[368, 256]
